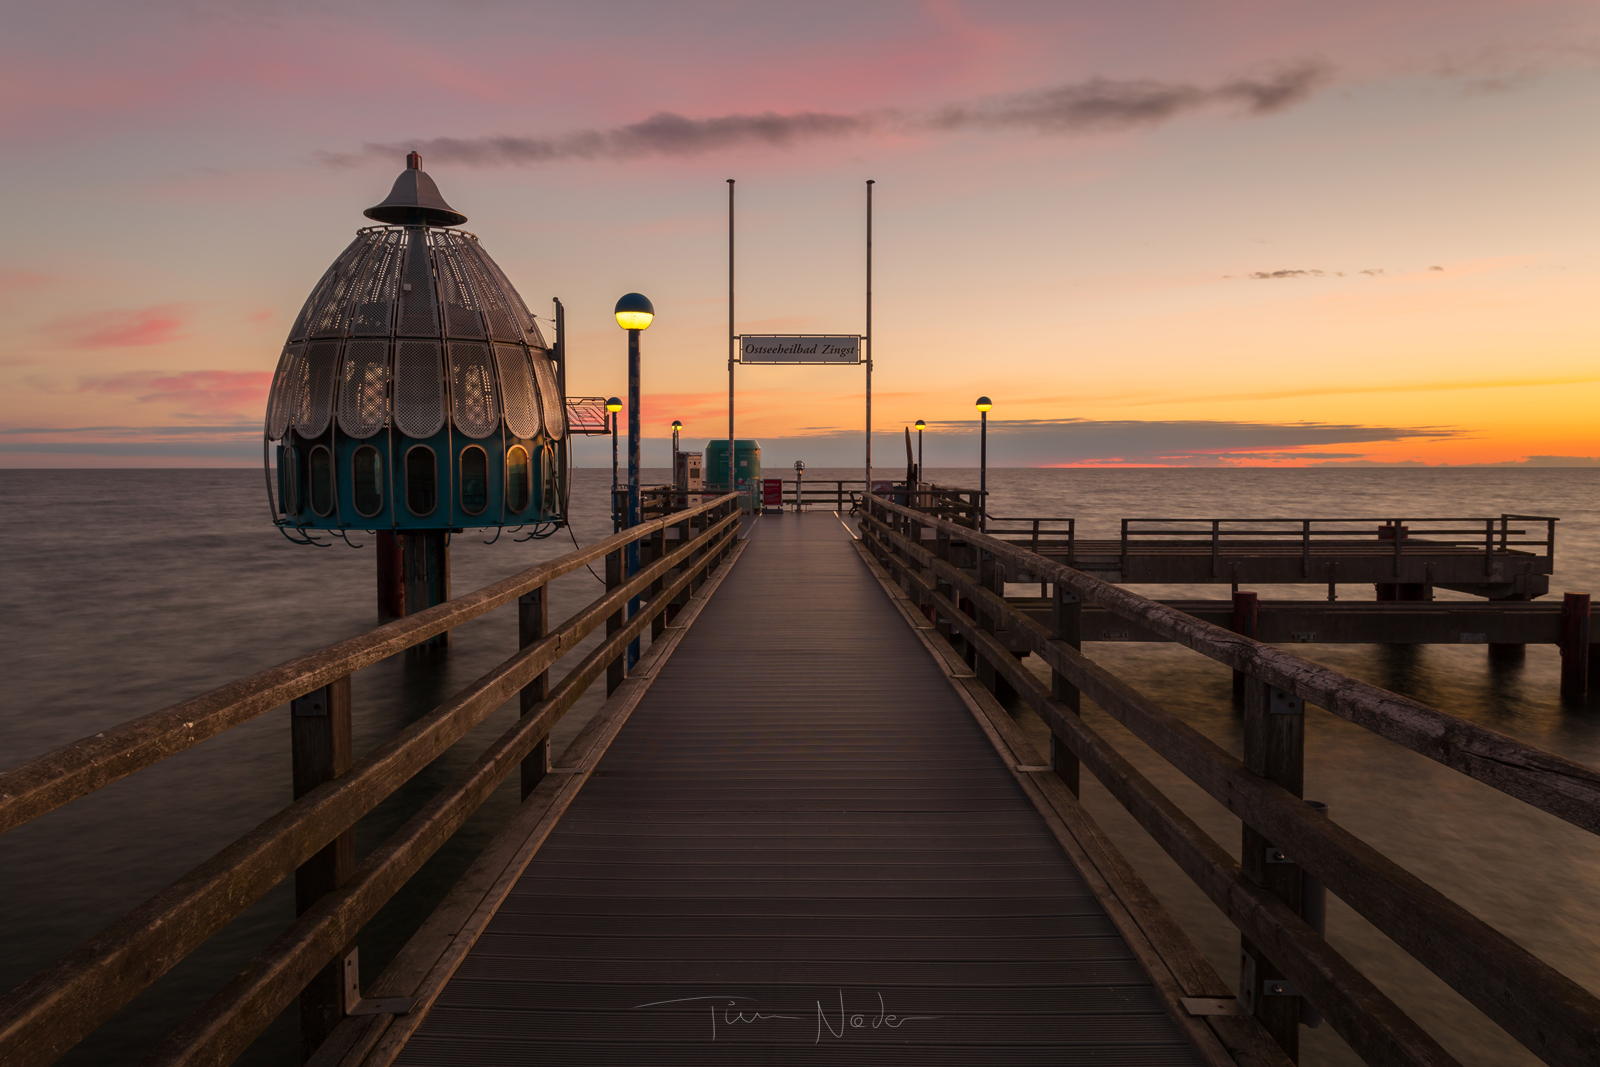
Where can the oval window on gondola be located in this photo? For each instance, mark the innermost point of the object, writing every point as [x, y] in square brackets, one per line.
[474, 480]
[321, 480]
[366, 480]
[519, 483]
[422, 480]
[289, 480]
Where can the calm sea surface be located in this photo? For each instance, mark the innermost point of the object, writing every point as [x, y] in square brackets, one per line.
[127, 591]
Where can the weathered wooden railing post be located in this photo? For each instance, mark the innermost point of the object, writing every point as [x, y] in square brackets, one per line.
[617, 669]
[1066, 625]
[1274, 748]
[685, 532]
[658, 550]
[322, 750]
[1246, 614]
[533, 626]
[1575, 650]
[942, 549]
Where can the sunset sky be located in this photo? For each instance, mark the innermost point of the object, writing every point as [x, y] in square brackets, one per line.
[1154, 232]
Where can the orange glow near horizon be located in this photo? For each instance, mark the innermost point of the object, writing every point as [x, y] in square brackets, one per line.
[1098, 217]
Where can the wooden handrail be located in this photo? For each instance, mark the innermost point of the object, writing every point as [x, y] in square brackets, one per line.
[226, 1025]
[1545, 1010]
[1552, 783]
[44, 783]
[1374, 1026]
[59, 1006]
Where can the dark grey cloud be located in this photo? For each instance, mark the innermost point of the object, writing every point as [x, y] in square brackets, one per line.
[1285, 274]
[1109, 104]
[662, 134]
[1098, 104]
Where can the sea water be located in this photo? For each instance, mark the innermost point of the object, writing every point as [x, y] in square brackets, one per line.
[129, 590]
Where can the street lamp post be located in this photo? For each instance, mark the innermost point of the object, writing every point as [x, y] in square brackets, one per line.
[634, 314]
[613, 405]
[920, 427]
[983, 405]
[677, 427]
[799, 483]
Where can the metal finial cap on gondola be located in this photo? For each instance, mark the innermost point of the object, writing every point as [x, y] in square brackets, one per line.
[415, 199]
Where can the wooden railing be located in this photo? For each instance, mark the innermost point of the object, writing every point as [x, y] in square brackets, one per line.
[1490, 535]
[959, 578]
[311, 839]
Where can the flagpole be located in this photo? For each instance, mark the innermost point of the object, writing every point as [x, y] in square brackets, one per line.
[732, 342]
[870, 183]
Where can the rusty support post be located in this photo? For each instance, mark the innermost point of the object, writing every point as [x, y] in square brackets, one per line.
[533, 625]
[1066, 625]
[1246, 611]
[322, 749]
[1575, 648]
[1274, 748]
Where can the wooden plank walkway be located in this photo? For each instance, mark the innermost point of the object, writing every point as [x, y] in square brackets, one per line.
[800, 848]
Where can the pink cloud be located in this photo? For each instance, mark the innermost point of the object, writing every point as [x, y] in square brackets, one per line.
[136, 327]
[204, 393]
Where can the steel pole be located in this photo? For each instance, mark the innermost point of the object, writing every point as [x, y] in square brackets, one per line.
[633, 477]
[983, 471]
[870, 184]
[732, 342]
[616, 516]
[920, 476]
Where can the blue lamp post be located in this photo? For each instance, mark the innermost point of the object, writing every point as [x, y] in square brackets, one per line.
[613, 405]
[634, 313]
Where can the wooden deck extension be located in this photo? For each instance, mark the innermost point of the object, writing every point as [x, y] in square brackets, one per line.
[800, 845]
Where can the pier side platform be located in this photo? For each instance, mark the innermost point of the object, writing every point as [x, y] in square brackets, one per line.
[801, 842]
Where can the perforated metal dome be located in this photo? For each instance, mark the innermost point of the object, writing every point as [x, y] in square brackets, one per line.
[413, 333]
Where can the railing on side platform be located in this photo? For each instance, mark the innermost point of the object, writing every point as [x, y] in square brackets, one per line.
[311, 839]
[1475, 533]
[959, 582]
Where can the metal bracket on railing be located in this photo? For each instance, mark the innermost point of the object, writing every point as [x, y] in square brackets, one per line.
[1281, 703]
[354, 1004]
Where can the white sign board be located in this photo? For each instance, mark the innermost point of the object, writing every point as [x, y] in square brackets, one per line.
[800, 348]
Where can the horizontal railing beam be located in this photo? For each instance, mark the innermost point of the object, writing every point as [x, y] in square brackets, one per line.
[1373, 1024]
[1552, 1015]
[1551, 783]
[42, 784]
[226, 1025]
[59, 1006]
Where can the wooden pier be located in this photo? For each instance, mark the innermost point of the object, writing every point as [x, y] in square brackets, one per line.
[807, 822]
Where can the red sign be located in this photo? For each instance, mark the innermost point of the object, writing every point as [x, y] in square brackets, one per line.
[772, 492]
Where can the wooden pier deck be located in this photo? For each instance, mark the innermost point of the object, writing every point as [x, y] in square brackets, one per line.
[807, 824]
[800, 843]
